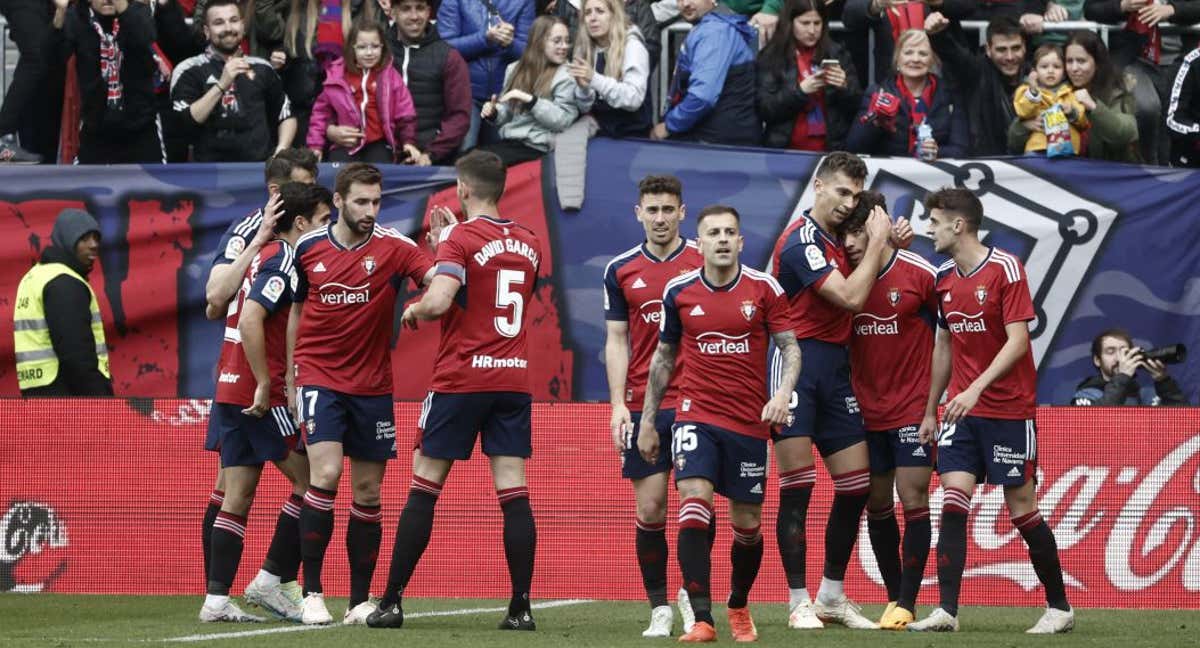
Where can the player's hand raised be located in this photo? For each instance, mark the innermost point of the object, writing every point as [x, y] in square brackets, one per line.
[958, 406]
[927, 433]
[776, 410]
[272, 212]
[440, 218]
[262, 401]
[648, 440]
[879, 224]
[902, 233]
[621, 426]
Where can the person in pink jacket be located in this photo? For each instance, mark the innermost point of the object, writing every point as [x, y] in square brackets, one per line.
[364, 112]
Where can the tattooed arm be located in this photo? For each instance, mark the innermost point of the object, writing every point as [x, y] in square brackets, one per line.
[776, 410]
[662, 365]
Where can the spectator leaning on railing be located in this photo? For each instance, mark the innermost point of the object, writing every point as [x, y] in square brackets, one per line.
[490, 34]
[806, 105]
[1183, 112]
[538, 98]
[611, 71]
[893, 112]
[1105, 95]
[639, 13]
[235, 105]
[437, 79]
[364, 113]
[713, 91]
[114, 61]
[988, 78]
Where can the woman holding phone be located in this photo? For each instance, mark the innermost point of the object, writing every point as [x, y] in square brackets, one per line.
[808, 90]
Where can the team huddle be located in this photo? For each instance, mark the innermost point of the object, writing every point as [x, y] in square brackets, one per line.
[846, 344]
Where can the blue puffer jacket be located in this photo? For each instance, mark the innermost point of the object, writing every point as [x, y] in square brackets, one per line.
[463, 24]
[714, 92]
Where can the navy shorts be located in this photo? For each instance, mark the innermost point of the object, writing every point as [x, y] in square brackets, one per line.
[251, 441]
[212, 436]
[736, 464]
[364, 425]
[1002, 451]
[898, 448]
[632, 464]
[823, 405]
[450, 422]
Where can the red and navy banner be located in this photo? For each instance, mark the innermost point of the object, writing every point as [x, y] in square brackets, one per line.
[109, 498]
[1104, 245]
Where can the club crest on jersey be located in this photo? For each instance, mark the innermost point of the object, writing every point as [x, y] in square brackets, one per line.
[368, 264]
[893, 296]
[980, 293]
[748, 310]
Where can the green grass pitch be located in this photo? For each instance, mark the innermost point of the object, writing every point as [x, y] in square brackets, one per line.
[59, 621]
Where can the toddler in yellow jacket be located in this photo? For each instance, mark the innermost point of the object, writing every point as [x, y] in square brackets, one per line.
[1047, 86]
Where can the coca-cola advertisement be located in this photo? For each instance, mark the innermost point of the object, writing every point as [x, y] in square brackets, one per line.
[107, 497]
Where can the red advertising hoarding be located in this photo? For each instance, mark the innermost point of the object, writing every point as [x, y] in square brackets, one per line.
[107, 497]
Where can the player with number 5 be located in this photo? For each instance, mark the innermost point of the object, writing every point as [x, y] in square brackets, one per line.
[485, 275]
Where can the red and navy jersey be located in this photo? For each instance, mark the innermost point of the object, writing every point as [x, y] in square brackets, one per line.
[483, 346]
[975, 308]
[804, 257]
[723, 334]
[236, 238]
[343, 342]
[891, 348]
[271, 281]
[633, 287]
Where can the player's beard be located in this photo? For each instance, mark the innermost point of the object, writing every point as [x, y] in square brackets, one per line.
[362, 225]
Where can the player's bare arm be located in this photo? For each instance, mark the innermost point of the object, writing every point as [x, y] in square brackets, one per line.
[850, 293]
[940, 377]
[616, 365]
[1014, 349]
[292, 328]
[224, 280]
[662, 365]
[254, 345]
[434, 303]
[776, 409]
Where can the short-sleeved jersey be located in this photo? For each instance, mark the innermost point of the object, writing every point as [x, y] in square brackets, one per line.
[271, 281]
[483, 346]
[891, 348]
[236, 238]
[633, 287]
[804, 257]
[349, 297]
[975, 308]
[724, 334]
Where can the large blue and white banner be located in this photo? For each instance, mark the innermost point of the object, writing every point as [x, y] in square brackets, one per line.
[1104, 245]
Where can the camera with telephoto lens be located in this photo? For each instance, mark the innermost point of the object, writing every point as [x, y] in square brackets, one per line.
[1170, 354]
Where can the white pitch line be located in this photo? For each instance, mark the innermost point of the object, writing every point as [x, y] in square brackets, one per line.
[414, 615]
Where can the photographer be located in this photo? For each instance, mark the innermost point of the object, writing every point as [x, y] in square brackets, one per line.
[1117, 359]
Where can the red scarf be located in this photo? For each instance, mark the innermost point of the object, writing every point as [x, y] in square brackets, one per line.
[910, 15]
[110, 60]
[1152, 50]
[918, 107]
[808, 132]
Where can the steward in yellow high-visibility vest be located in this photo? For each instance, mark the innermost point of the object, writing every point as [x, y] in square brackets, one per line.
[58, 333]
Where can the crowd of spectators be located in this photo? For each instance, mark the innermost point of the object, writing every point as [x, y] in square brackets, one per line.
[421, 81]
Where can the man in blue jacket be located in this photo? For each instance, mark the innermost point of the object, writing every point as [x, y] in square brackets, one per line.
[489, 34]
[713, 92]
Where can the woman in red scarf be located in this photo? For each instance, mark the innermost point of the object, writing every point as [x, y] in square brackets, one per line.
[806, 105]
[889, 121]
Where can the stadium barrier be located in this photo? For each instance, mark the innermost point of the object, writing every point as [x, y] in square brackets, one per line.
[106, 496]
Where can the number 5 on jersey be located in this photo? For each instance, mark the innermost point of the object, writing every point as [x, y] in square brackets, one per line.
[509, 326]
